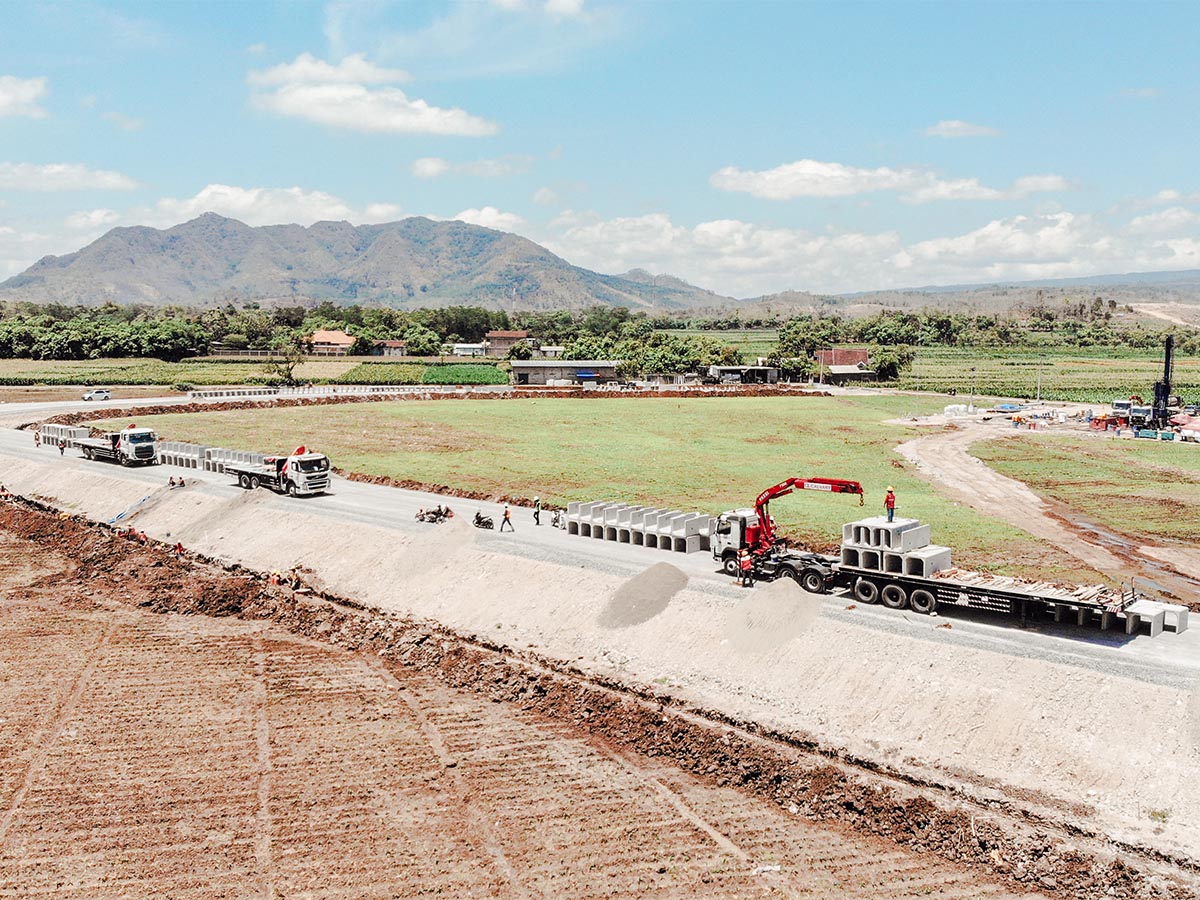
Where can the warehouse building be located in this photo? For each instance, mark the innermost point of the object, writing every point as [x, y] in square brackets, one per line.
[563, 372]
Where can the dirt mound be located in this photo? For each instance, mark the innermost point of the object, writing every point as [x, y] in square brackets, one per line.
[642, 597]
[771, 616]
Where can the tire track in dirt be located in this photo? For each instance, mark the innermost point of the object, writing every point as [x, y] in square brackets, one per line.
[262, 739]
[53, 730]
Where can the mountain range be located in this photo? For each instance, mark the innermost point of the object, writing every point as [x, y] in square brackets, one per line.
[410, 263]
[419, 262]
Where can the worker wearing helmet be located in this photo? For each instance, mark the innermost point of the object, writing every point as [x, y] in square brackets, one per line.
[537, 511]
[889, 502]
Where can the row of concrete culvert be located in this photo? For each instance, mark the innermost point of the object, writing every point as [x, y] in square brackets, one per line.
[171, 453]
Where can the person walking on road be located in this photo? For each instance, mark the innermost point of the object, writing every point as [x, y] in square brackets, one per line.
[62, 446]
[889, 502]
[37, 439]
[507, 519]
[537, 511]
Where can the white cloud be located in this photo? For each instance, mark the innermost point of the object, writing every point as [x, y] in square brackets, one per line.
[545, 196]
[744, 259]
[127, 123]
[338, 96]
[307, 69]
[812, 178]
[94, 218]
[256, 49]
[509, 5]
[956, 128]
[1170, 195]
[564, 9]
[263, 206]
[20, 96]
[490, 217]
[61, 177]
[434, 167]
[1141, 93]
[1164, 221]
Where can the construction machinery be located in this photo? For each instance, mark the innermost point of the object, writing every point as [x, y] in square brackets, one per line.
[302, 473]
[131, 446]
[753, 531]
[1163, 401]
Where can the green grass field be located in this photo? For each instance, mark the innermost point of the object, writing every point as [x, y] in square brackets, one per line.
[199, 372]
[1140, 488]
[708, 454]
[1094, 376]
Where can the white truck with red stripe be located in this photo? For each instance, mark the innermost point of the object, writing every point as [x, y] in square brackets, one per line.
[301, 474]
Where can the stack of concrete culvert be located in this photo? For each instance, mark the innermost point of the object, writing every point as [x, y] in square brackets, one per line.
[900, 547]
[661, 529]
[52, 434]
[179, 453]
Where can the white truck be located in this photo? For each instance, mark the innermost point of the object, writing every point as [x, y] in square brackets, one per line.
[131, 446]
[301, 474]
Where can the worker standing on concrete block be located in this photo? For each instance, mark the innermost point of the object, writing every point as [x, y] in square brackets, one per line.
[507, 520]
[889, 502]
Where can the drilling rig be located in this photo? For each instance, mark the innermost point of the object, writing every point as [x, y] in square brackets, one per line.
[1160, 416]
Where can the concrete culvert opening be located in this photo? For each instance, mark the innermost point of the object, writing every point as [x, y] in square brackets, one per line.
[642, 597]
[770, 616]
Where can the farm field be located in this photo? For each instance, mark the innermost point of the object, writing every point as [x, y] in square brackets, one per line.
[1068, 374]
[1141, 488]
[107, 372]
[709, 454]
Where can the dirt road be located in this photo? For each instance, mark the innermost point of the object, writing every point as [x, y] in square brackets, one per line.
[159, 755]
[942, 457]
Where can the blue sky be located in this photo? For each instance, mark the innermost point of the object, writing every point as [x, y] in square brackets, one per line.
[747, 147]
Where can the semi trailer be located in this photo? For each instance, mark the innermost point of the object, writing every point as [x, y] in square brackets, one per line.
[131, 446]
[300, 474]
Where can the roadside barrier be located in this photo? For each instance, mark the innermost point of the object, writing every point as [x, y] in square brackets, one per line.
[643, 526]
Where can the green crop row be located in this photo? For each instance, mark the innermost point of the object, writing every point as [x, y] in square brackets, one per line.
[464, 374]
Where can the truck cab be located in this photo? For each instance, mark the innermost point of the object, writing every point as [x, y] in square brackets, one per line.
[735, 531]
[129, 446]
[302, 473]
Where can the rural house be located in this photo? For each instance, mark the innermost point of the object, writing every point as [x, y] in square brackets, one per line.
[389, 348]
[331, 343]
[498, 343]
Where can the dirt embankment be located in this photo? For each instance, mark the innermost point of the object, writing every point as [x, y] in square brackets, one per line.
[796, 776]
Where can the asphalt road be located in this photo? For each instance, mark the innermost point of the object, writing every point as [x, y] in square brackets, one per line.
[1169, 659]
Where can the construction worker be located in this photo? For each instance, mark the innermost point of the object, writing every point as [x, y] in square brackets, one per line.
[746, 567]
[178, 550]
[62, 446]
[507, 519]
[537, 511]
[37, 438]
[889, 502]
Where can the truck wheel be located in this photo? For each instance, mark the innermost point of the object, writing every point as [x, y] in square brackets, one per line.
[291, 489]
[124, 459]
[893, 596]
[923, 602]
[254, 482]
[813, 582]
[866, 591]
[730, 566]
[88, 453]
[244, 481]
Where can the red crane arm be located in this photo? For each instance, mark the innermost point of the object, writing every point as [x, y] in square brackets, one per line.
[766, 533]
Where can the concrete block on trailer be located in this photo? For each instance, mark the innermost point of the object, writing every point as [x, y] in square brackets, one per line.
[893, 563]
[850, 556]
[911, 539]
[927, 561]
[869, 558]
[877, 531]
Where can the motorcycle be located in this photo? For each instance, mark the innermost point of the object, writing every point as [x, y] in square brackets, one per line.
[482, 521]
[556, 520]
[435, 516]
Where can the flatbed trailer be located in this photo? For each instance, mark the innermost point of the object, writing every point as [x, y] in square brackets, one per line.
[299, 475]
[894, 564]
[130, 447]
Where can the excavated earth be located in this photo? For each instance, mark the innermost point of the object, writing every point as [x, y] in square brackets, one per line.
[178, 728]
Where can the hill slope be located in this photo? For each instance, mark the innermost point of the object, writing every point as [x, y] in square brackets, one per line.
[413, 262]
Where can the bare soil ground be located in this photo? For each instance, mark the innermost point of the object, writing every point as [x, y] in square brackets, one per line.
[151, 754]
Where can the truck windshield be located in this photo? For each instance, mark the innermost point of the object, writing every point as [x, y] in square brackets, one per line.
[143, 438]
[313, 465]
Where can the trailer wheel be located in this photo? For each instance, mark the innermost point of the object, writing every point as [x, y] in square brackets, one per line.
[866, 591]
[813, 581]
[730, 566]
[124, 459]
[244, 481]
[87, 451]
[291, 489]
[923, 602]
[254, 482]
[893, 596]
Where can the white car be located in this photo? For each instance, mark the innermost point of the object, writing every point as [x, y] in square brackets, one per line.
[98, 394]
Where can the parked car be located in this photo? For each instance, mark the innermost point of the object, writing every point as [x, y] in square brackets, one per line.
[98, 394]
